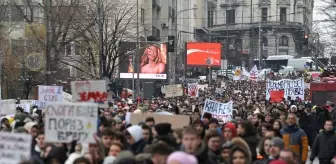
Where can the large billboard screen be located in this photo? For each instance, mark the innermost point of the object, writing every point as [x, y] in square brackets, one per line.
[153, 62]
[204, 54]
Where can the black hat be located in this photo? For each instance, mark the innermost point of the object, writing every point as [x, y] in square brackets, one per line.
[163, 128]
[213, 120]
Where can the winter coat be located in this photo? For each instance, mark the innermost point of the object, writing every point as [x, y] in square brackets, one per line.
[296, 139]
[138, 147]
[202, 154]
[324, 146]
[303, 119]
[168, 139]
[214, 156]
[36, 156]
[252, 140]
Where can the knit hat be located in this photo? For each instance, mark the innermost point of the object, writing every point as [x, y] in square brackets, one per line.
[293, 106]
[136, 132]
[29, 125]
[182, 157]
[232, 127]
[163, 128]
[109, 160]
[117, 119]
[227, 145]
[137, 111]
[125, 157]
[278, 142]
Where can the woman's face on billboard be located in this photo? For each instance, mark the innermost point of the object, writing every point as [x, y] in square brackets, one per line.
[151, 53]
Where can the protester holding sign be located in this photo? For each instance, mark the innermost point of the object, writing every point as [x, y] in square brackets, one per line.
[209, 124]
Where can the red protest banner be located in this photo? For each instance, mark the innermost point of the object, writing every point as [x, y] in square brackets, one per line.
[277, 96]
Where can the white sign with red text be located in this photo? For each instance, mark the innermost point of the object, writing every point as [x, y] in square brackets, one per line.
[193, 89]
[93, 91]
[49, 94]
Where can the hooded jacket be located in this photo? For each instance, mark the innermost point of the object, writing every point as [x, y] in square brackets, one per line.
[252, 140]
[296, 139]
[201, 154]
[324, 146]
[140, 144]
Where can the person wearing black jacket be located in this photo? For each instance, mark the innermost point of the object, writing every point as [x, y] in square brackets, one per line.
[324, 146]
[247, 133]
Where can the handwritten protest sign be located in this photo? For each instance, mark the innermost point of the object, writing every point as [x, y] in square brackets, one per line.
[177, 121]
[67, 122]
[193, 89]
[219, 90]
[7, 106]
[254, 73]
[94, 91]
[25, 105]
[202, 87]
[49, 94]
[14, 147]
[293, 88]
[172, 90]
[220, 111]
[67, 97]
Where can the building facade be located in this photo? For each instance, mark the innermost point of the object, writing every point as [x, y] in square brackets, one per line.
[256, 29]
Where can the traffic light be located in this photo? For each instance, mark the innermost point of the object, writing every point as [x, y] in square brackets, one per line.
[171, 43]
[305, 41]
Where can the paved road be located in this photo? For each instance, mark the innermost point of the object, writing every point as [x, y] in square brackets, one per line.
[315, 161]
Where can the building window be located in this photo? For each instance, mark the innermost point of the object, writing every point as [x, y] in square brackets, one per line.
[230, 16]
[210, 18]
[170, 11]
[283, 41]
[16, 13]
[68, 49]
[142, 17]
[18, 47]
[283, 14]
[265, 41]
[173, 15]
[4, 13]
[264, 14]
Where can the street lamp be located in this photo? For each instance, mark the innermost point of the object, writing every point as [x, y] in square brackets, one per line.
[174, 57]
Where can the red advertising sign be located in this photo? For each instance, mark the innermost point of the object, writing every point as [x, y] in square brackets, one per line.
[204, 54]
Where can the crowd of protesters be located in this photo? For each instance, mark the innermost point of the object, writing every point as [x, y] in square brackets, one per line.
[260, 132]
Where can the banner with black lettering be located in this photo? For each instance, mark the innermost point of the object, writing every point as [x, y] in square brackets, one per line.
[67, 122]
[220, 111]
[15, 147]
[293, 88]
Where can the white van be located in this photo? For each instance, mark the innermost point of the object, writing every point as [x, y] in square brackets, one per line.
[300, 64]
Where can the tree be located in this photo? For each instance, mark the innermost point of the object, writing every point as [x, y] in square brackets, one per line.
[327, 26]
[118, 26]
[63, 19]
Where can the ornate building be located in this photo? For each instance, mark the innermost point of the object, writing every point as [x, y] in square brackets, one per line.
[255, 29]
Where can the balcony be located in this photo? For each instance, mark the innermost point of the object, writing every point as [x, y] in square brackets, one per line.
[264, 24]
[155, 35]
[232, 3]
